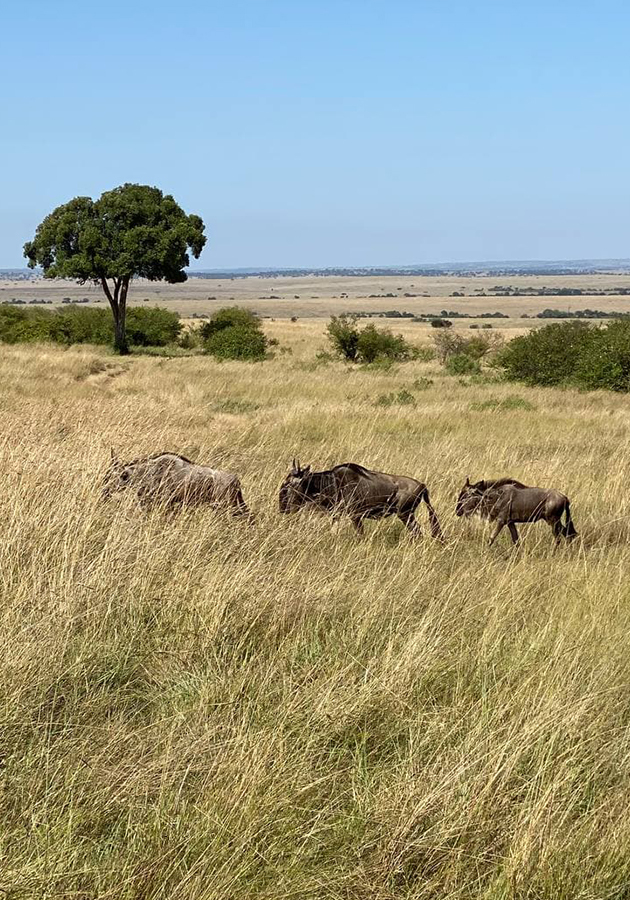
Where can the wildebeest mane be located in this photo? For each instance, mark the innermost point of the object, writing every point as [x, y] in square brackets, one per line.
[317, 485]
[361, 470]
[144, 459]
[497, 483]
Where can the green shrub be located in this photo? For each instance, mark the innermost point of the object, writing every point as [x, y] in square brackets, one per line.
[343, 334]
[588, 356]
[235, 333]
[81, 325]
[549, 355]
[462, 364]
[152, 327]
[237, 342]
[604, 361]
[19, 326]
[367, 345]
[476, 346]
[87, 325]
[229, 317]
[375, 343]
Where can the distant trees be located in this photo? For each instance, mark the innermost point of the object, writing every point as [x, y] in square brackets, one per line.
[131, 231]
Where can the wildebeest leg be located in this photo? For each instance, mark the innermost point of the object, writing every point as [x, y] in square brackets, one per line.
[497, 531]
[238, 507]
[436, 530]
[358, 524]
[242, 512]
[513, 532]
[409, 521]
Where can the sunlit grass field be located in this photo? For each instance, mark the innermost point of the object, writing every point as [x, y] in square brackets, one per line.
[193, 707]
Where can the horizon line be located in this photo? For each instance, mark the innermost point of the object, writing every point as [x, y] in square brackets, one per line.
[427, 265]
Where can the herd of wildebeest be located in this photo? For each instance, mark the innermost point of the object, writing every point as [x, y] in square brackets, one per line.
[347, 489]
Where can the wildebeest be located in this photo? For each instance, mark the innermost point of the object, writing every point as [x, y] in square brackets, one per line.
[350, 489]
[507, 501]
[172, 480]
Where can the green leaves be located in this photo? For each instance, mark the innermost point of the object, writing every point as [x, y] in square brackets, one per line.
[66, 240]
[234, 333]
[367, 345]
[132, 231]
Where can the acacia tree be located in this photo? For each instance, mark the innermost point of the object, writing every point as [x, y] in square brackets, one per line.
[134, 231]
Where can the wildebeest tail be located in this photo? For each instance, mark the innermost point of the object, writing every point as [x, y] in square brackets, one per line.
[436, 530]
[568, 528]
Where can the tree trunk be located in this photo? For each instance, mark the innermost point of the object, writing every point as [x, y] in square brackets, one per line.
[118, 304]
[120, 336]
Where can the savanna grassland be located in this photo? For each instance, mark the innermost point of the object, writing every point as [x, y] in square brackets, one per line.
[197, 708]
[323, 295]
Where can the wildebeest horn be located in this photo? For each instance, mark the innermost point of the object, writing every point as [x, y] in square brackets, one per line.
[467, 481]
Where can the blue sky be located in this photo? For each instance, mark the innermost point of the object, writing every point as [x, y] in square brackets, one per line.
[354, 132]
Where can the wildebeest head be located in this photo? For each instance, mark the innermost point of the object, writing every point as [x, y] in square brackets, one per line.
[469, 498]
[293, 489]
[116, 478]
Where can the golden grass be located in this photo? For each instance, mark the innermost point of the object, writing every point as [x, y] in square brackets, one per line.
[194, 708]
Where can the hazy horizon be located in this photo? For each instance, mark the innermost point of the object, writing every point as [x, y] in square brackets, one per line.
[427, 265]
[309, 137]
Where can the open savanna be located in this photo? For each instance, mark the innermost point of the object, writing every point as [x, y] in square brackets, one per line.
[309, 296]
[201, 709]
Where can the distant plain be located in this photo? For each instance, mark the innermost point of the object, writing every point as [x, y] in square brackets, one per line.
[316, 296]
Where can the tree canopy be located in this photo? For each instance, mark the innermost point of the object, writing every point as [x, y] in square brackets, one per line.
[133, 231]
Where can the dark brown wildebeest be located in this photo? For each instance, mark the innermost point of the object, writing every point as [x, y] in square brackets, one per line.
[352, 490]
[506, 501]
[172, 480]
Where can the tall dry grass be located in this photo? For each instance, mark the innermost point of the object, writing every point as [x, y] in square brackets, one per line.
[194, 708]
